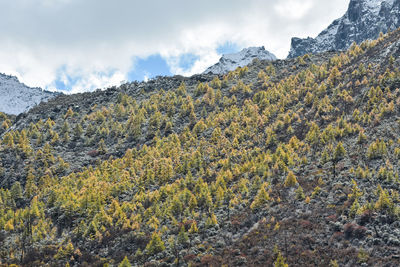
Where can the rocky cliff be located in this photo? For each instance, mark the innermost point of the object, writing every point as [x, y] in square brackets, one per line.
[364, 19]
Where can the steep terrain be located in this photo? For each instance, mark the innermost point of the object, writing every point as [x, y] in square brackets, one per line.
[16, 97]
[291, 161]
[364, 20]
[230, 62]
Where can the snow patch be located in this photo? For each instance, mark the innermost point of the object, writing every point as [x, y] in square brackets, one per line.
[230, 62]
[16, 97]
[373, 5]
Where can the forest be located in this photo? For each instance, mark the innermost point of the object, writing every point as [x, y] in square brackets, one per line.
[285, 163]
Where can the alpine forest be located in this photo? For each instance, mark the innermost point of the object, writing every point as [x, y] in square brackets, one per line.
[279, 163]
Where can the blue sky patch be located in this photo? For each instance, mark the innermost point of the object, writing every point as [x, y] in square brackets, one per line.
[186, 61]
[60, 82]
[149, 67]
[146, 68]
[228, 48]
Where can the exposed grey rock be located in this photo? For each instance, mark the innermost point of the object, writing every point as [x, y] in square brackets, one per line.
[364, 19]
[241, 261]
[220, 244]
[337, 226]
[394, 241]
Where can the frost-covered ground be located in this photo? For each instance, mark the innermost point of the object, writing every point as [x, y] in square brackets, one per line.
[16, 97]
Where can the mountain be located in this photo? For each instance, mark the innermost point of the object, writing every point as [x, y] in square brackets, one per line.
[16, 97]
[290, 161]
[230, 62]
[364, 20]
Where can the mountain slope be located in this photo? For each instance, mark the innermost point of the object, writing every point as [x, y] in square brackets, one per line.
[364, 19]
[292, 161]
[232, 61]
[16, 97]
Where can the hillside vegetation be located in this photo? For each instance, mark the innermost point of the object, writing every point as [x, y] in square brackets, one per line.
[292, 162]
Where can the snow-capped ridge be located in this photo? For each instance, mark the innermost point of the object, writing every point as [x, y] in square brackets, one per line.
[363, 20]
[16, 97]
[229, 62]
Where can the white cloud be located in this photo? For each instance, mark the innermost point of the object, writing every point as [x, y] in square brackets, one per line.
[292, 9]
[96, 40]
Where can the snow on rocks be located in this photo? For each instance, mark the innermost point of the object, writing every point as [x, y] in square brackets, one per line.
[364, 19]
[16, 97]
[230, 62]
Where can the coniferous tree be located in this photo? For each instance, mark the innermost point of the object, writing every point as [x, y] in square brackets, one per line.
[125, 263]
[280, 261]
[338, 154]
[290, 180]
[155, 245]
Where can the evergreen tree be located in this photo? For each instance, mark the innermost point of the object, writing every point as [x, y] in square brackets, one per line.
[280, 261]
[290, 180]
[155, 245]
[338, 154]
[16, 191]
[125, 263]
[182, 238]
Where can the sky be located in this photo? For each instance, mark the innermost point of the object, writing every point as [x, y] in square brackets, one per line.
[82, 45]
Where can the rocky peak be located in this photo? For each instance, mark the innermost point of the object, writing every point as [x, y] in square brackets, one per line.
[230, 62]
[364, 19]
[16, 97]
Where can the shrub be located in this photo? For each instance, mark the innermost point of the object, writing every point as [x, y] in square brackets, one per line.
[354, 230]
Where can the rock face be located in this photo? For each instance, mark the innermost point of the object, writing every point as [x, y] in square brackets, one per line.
[364, 19]
[16, 97]
[230, 62]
